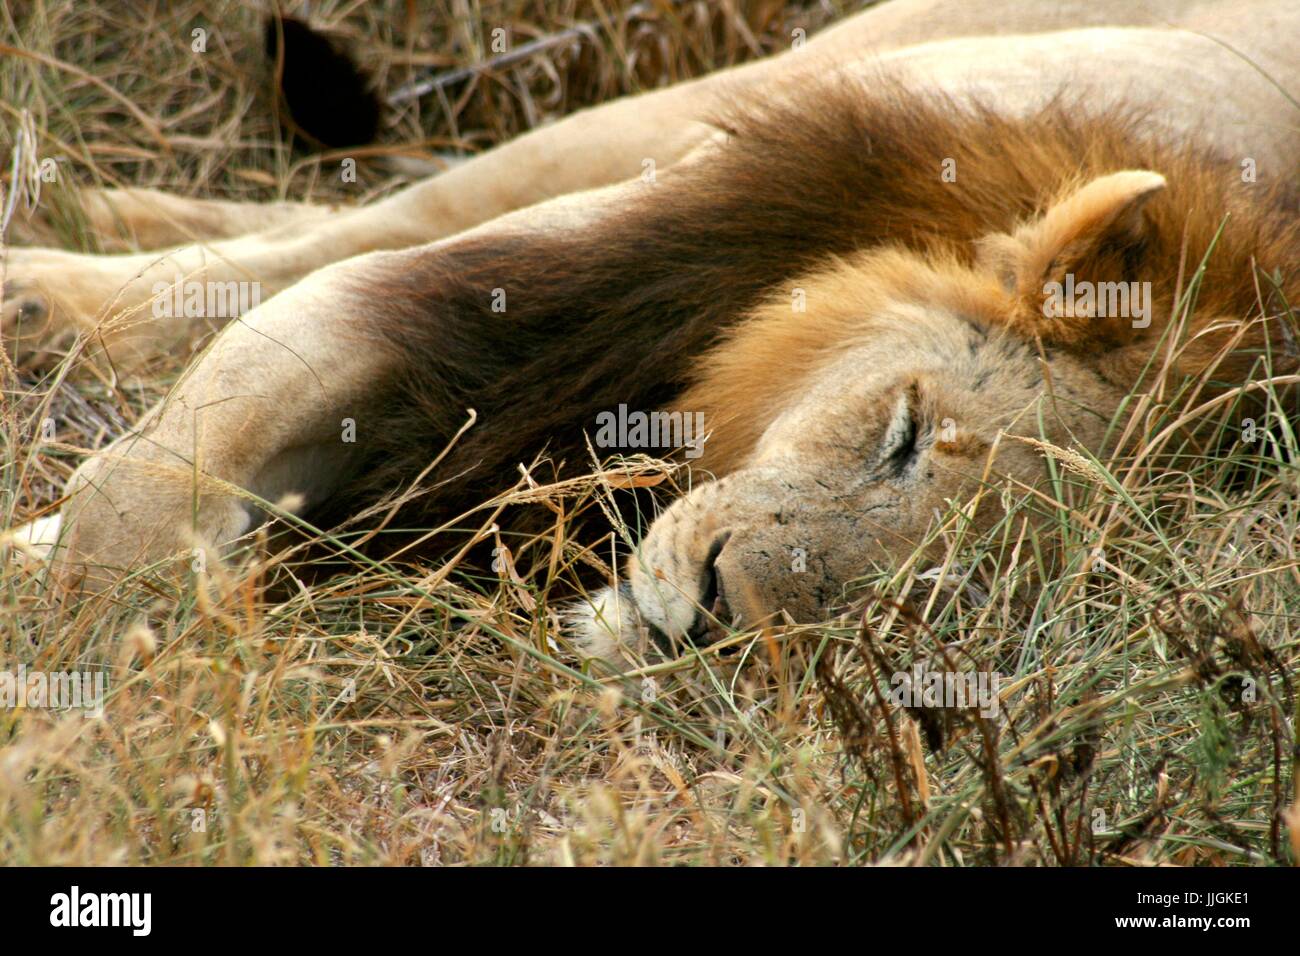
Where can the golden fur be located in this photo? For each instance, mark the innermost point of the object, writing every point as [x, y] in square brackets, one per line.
[956, 257]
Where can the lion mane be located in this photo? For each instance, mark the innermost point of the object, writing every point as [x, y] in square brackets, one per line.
[638, 308]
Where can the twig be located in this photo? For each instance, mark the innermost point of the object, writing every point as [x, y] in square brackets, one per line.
[417, 88]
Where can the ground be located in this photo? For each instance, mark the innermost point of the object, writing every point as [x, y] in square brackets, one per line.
[414, 712]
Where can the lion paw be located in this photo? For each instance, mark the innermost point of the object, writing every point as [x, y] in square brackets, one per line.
[35, 320]
[50, 297]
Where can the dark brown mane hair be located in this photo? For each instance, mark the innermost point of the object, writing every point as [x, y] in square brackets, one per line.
[622, 311]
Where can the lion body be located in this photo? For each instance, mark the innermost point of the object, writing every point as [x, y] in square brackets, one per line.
[913, 179]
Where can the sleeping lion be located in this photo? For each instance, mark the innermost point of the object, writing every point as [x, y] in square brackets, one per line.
[852, 286]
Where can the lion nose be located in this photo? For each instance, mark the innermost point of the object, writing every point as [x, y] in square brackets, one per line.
[713, 610]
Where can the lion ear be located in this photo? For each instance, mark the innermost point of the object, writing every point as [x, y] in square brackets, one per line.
[1087, 234]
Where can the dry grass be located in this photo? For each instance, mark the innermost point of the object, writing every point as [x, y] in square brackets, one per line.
[408, 713]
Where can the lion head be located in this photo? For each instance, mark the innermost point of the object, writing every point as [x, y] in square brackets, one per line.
[843, 433]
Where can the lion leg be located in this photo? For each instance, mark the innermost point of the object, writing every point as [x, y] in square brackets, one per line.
[51, 296]
[258, 416]
[265, 411]
[122, 220]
